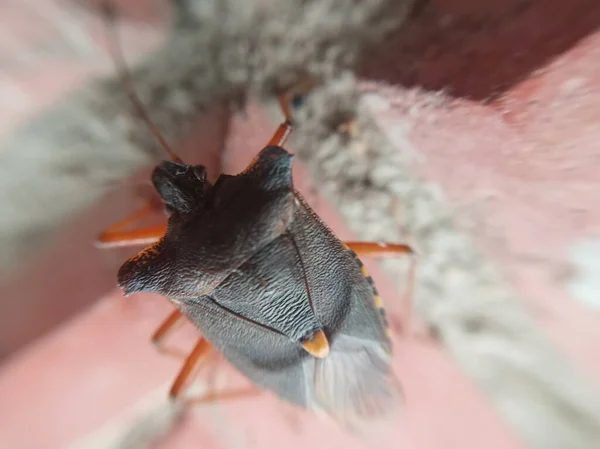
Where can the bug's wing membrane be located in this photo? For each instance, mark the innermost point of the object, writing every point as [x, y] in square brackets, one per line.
[354, 384]
[267, 358]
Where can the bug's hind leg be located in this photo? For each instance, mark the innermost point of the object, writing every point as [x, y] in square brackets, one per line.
[198, 356]
[372, 249]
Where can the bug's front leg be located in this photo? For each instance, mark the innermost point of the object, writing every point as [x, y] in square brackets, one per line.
[285, 128]
[285, 98]
[117, 236]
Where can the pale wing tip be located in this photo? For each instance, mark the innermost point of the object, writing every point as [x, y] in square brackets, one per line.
[355, 385]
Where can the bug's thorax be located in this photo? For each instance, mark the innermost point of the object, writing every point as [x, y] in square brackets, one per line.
[212, 229]
[231, 243]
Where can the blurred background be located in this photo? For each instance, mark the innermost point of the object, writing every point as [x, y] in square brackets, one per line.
[468, 129]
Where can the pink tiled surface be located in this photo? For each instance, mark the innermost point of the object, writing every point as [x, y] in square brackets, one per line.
[528, 202]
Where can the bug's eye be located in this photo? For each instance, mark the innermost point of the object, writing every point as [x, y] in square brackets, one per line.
[200, 173]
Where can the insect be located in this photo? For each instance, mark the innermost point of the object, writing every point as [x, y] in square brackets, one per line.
[265, 281]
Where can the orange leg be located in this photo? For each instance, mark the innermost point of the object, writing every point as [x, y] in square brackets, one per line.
[142, 236]
[371, 249]
[115, 236]
[379, 249]
[285, 129]
[192, 363]
[199, 355]
[166, 327]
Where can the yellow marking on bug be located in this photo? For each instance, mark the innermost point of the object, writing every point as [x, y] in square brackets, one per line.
[364, 271]
[378, 301]
[317, 345]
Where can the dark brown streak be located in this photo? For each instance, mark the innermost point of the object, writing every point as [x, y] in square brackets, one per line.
[310, 301]
[242, 317]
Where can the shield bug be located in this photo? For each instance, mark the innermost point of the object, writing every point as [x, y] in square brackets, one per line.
[265, 281]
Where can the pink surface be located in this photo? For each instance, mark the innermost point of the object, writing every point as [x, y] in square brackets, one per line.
[523, 169]
[98, 365]
[528, 183]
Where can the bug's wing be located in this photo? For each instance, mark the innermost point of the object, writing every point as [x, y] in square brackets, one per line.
[269, 359]
[355, 384]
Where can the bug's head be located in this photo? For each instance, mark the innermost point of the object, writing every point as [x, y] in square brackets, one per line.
[212, 228]
[182, 187]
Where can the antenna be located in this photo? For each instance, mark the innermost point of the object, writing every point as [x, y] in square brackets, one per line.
[110, 16]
